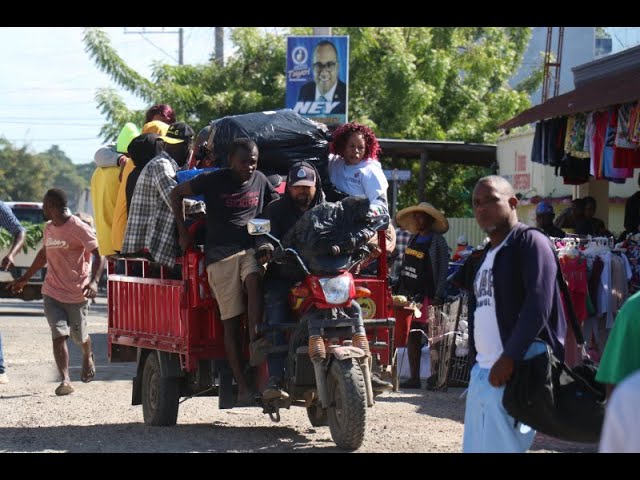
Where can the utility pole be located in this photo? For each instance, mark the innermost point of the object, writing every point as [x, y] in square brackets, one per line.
[549, 65]
[219, 42]
[322, 31]
[180, 33]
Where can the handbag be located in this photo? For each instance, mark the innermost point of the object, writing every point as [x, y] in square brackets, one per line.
[554, 399]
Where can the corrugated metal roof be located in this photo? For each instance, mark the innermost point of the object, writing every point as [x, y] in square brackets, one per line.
[598, 94]
[625, 60]
[461, 153]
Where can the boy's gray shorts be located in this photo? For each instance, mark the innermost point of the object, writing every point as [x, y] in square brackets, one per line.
[67, 319]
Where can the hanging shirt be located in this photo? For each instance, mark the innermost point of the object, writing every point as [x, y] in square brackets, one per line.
[617, 175]
[619, 285]
[622, 130]
[604, 291]
[574, 271]
[576, 129]
[600, 121]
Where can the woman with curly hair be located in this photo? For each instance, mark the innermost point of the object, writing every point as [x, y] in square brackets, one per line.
[354, 167]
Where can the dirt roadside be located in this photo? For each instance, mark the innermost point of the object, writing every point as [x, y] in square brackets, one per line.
[98, 417]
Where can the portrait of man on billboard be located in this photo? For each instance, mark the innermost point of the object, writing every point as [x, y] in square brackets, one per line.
[326, 87]
[318, 77]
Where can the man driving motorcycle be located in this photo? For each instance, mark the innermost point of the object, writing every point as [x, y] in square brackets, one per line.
[302, 193]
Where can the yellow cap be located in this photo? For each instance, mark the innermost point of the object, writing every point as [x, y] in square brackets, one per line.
[155, 126]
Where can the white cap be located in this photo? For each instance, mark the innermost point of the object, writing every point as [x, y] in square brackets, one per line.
[462, 240]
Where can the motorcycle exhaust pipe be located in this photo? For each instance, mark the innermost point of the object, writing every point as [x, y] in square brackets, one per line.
[318, 354]
[360, 340]
[366, 372]
[321, 383]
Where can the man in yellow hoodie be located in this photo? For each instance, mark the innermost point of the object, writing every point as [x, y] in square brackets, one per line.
[120, 213]
[105, 183]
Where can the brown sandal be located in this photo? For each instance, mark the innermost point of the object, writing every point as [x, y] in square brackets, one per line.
[88, 374]
[64, 389]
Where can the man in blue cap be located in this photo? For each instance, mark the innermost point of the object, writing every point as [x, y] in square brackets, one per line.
[544, 220]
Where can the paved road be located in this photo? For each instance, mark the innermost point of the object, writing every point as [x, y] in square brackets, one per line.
[99, 417]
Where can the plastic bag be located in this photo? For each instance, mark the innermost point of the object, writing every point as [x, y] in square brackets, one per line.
[283, 137]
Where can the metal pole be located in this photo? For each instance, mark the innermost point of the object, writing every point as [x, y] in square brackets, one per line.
[394, 197]
[556, 87]
[322, 31]
[422, 179]
[547, 69]
[219, 37]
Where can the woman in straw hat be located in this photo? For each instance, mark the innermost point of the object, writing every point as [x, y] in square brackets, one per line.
[423, 274]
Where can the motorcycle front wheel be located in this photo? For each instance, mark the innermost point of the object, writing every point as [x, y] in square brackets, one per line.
[347, 403]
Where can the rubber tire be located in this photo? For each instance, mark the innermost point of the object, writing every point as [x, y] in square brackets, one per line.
[317, 421]
[347, 404]
[160, 396]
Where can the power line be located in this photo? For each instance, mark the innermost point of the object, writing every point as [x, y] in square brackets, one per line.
[31, 140]
[153, 44]
[40, 105]
[57, 124]
[53, 119]
[180, 33]
[46, 89]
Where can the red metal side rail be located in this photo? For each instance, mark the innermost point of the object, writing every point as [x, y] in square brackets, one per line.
[378, 305]
[176, 316]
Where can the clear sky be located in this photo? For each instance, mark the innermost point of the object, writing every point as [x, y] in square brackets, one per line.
[48, 82]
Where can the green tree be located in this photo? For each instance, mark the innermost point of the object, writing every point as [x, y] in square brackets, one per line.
[85, 171]
[437, 83]
[63, 174]
[252, 80]
[25, 176]
[22, 174]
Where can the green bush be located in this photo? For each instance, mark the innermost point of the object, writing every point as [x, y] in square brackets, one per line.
[33, 236]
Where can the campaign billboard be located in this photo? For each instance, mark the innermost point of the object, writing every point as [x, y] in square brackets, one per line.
[318, 77]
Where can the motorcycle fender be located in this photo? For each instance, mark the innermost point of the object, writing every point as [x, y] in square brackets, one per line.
[342, 353]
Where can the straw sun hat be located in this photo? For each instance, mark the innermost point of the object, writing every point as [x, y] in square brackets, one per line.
[405, 218]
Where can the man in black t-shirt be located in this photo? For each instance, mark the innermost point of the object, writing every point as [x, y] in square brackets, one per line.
[233, 196]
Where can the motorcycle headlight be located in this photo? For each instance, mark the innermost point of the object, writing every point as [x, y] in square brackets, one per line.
[336, 289]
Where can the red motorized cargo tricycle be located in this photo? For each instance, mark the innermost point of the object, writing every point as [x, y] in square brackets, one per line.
[171, 328]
